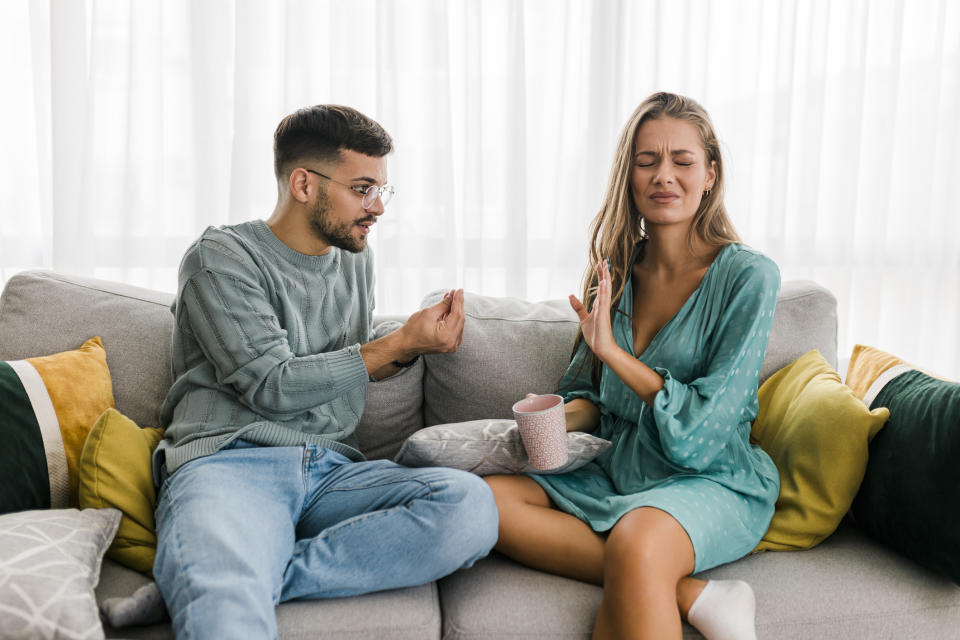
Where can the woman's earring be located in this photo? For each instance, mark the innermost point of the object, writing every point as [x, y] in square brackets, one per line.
[706, 194]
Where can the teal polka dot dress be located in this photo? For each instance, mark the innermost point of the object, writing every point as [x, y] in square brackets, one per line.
[690, 454]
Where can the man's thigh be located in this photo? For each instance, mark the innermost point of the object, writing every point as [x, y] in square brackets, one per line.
[349, 489]
[231, 513]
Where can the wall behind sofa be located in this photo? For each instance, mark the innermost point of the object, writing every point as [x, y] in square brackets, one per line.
[127, 127]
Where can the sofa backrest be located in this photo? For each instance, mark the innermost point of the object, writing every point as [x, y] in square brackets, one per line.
[512, 347]
[43, 312]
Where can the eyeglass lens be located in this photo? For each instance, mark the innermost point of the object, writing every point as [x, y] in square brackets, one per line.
[371, 196]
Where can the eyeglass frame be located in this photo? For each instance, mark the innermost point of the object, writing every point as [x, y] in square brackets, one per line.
[362, 189]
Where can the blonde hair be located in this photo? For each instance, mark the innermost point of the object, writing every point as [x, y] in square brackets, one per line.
[618, 227]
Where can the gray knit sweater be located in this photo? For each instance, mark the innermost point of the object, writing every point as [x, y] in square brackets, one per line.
[266, 345]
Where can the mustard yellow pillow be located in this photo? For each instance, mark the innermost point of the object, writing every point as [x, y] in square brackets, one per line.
[817, 432]
[47, 406]
[115, 472]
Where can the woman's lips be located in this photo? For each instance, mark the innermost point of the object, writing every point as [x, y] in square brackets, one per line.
[664, 198]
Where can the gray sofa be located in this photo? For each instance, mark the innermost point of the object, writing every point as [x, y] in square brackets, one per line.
[847, 587]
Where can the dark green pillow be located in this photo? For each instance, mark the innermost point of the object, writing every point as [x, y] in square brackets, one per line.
[910, 496]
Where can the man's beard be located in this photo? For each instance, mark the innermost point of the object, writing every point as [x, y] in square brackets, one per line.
[335, 235]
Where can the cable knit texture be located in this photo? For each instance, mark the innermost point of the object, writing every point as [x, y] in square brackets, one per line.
[266, 345]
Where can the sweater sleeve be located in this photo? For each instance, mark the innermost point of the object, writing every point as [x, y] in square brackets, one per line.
[231, 317]
[697, 420]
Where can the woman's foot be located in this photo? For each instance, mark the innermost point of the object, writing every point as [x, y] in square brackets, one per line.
[724, 610]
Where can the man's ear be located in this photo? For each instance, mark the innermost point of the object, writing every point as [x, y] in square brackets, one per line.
[299, 185]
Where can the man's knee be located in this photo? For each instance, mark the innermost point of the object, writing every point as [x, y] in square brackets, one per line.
[474, 515]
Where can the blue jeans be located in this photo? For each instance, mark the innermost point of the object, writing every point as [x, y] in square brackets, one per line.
[248, 527]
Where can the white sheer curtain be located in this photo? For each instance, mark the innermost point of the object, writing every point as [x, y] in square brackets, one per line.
[129, 126]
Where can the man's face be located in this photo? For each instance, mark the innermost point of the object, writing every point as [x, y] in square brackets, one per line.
[338, 218]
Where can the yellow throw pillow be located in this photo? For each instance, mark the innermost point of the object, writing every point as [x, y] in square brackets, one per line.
[817, 432]
[47, 406]
[115, 472]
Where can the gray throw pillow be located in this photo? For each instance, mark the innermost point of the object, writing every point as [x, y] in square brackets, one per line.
[487, 447]
[49, 565]
[510, 348]
[393, 408]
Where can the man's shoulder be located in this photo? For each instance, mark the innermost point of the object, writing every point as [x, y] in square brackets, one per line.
[222, 248]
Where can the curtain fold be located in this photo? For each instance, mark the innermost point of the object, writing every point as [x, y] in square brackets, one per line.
[131, 126]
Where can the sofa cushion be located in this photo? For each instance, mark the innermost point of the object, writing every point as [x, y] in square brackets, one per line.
[49, 565]
[486, 447]
[393, 408]
[908, 498]
[510, 348]
[805, 319]
[402, 614]
[817, 433]
[45, 312]
[847, 588]
[47, 406]
[115, 472]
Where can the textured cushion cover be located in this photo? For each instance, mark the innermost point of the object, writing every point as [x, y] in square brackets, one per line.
[393, 408]
[115, 472]
[49, 566]
[909, 497]
[47, 406]
[487, 447]
[817, 433]
[510, 348]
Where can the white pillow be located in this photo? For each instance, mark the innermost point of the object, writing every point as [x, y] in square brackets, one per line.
[487, 447]
[49, 566]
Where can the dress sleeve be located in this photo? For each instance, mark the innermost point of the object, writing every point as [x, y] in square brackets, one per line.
[576, 382]
[697, 420]
[230, 315]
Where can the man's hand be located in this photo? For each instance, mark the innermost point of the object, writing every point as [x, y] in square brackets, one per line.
[436, 329]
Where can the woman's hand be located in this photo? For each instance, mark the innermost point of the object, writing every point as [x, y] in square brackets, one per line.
[595, 324]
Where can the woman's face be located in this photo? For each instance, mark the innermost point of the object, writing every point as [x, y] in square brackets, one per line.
[670, 172]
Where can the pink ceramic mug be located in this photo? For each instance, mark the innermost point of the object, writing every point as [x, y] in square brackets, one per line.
[543, 428]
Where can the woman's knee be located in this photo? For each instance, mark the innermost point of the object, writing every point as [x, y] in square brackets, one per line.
[649, 543]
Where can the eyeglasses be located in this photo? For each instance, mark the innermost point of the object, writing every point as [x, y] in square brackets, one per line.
[370, 192]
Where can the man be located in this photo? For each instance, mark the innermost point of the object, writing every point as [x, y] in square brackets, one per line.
[264, 496]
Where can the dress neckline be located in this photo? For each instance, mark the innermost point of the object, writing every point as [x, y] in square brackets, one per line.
[627, 300]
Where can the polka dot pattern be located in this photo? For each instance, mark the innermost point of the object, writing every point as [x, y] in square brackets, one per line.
[690, 454]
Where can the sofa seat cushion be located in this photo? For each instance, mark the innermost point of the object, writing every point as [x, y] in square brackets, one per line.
[402, 614]
[848, 588]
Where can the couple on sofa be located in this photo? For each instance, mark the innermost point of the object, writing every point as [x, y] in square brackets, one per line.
[265, 498]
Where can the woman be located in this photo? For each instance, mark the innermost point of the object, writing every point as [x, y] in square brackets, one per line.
[682, 489]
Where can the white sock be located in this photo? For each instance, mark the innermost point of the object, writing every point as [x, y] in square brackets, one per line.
[724, 610]
[144, 607]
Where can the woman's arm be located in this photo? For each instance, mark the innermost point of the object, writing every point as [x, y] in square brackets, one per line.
[581, 415]
[598, 334]
[696, 418]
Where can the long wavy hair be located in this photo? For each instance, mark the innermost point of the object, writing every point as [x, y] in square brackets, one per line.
[618, 227]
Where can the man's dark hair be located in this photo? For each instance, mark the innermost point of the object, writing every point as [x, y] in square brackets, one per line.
[319, 132]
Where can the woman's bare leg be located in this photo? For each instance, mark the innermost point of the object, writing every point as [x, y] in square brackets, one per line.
[534, 533]
[647, 555]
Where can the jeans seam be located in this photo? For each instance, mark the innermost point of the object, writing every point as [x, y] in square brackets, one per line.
[178, 556]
